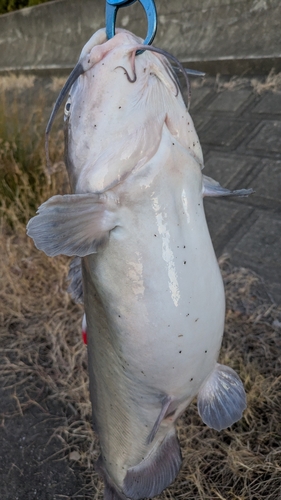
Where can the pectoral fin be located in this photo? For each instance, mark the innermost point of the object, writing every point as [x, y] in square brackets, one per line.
[222, 399]
[213, 188]
[76, 224]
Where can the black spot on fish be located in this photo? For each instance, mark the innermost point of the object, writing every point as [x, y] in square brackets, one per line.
[184, 261]
[187, 315]
[155, 235]
[205, 352]
[119, 107]
[180, 335]
[183, 246]
[179, 352]
[196, 320]
[191, 379]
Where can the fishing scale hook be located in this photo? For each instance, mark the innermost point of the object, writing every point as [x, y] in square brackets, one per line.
[112, 7]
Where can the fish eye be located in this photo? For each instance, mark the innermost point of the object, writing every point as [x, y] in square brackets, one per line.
[67, 107]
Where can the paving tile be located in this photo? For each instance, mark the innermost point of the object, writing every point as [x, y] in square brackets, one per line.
[224, 218]
[198, 95]
[230, 100]
[267, 138]
[267, 184]
[270, 104]
[262, 241]
[223, 132]
[228, 170]
[239, 153]
[256, 245]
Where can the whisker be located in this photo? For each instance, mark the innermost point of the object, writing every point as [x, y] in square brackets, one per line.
[131, 80]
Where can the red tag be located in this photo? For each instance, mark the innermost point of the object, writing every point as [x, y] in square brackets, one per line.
[84, 337]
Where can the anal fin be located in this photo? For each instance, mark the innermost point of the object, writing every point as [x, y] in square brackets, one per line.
[74, 224]
[213, 188]
[222, 399]
[156, 472]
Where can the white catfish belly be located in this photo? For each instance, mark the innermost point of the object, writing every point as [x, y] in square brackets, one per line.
[154, 303]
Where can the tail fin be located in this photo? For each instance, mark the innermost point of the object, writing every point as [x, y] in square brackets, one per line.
[151, 476]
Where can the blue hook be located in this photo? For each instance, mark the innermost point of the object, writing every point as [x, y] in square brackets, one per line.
[112, 7]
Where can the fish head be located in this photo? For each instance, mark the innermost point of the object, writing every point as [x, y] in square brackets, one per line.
[118, 103]
[112, 108]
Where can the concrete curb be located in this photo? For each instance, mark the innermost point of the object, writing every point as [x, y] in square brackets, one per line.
[226, 36]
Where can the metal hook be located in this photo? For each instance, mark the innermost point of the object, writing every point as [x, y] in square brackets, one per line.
[112, 7]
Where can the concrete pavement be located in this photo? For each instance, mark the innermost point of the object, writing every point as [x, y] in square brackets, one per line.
[225, 36]
[240, 132]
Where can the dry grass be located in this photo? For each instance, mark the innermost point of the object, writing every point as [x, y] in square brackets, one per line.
[41, 348]
[271, 82]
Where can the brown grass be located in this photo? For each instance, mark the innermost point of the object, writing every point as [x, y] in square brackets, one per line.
[271, 82]
[41, 347]
[41, 344]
